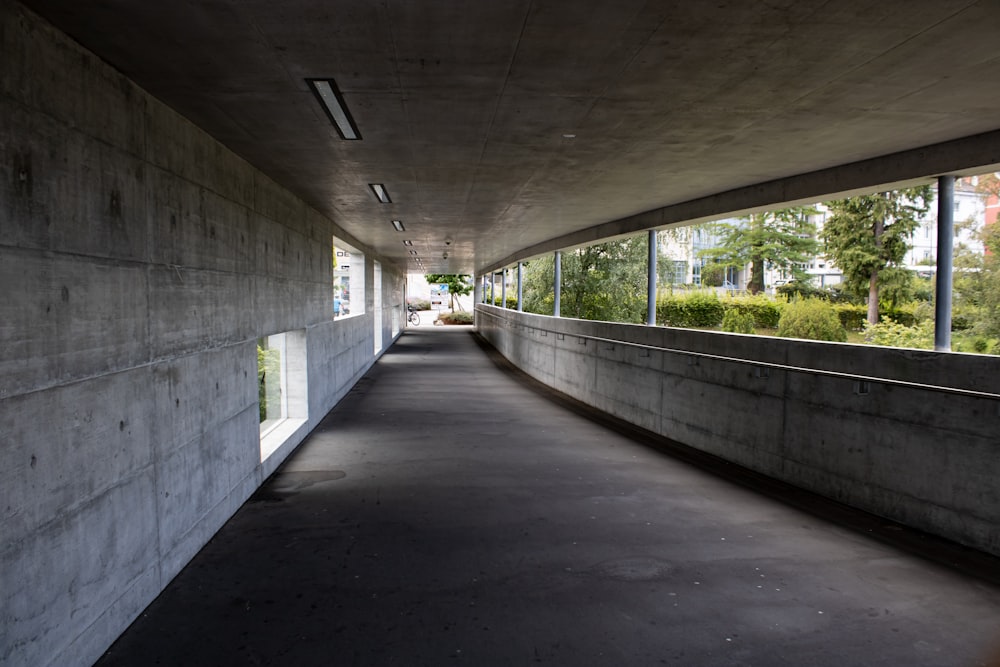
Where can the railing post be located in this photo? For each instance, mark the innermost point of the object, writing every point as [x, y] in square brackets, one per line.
[651, 281]
[943, 274]
[558, 284]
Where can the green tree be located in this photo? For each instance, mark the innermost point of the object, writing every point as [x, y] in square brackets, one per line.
[977, 274]
[538, 285]
[714, 274]
[459, 284]
[606, 281]
[989, 287]
[866, 237]
[782, 238]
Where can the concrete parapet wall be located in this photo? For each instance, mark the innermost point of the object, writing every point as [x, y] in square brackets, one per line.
[910, 451]
[140, 260]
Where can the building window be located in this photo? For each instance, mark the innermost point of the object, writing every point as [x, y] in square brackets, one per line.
[680, 272]
[348, 280]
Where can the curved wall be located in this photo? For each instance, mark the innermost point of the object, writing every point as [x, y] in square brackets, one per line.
[922, 449]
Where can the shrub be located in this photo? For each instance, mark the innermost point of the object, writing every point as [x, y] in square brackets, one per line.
[798, 289]
[419, 304]
[812, 319]
[511, 301]
[765, 311]
[736, 321]
[852, 316]
[697, 309]
[890, 333]
[903, 314]
[458, 317]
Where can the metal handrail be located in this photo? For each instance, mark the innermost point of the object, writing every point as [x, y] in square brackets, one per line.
[770, 364]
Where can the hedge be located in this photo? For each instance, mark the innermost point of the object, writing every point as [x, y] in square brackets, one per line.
[697, 309]
[765, 311]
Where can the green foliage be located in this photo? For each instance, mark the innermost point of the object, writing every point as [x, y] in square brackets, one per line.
[459, 284]
[735, 321]
[765, 311]
[813, 319]
[538, 285]
[805, 289]
[895, 334]
[905, 314]
[459, 317]
[987, 284]
[268, 372]
[605, 281]
[852, 316]
[781, 239]
[866, 237]
[696, 309]
[419, 304]
[511, 301]
[714, 274]
[897, 286]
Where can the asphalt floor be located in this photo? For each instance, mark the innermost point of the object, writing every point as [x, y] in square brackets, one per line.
[449, 511]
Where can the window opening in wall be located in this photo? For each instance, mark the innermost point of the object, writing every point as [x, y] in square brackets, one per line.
[282, 388]
[348, 280]
[272, 376]
[377, 286]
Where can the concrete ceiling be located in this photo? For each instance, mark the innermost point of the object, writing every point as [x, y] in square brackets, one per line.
[501, 125]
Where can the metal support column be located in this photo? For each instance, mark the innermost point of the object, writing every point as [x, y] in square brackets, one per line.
[557, 283]
[651, 281]
[493, 287]
[503, 287]
[943, 275]
[520, 287]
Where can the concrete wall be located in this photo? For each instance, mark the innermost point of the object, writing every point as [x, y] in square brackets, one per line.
[139, 262]
[922, 457]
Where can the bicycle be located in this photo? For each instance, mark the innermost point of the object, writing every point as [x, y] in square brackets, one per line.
[412, 316]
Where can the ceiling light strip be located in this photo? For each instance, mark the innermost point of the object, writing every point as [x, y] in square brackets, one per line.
[380, 192]
[336, 110]
[398, 224]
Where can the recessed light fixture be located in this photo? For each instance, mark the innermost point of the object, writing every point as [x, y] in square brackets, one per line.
[413, 252]
[336, 110]
[407, 242]
[398, 224]
[380, 192]
[569, 136]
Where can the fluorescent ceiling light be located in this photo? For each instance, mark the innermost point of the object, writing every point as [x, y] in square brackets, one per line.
[407, 242]
[380, 193]
[336, 110]
[398, 224]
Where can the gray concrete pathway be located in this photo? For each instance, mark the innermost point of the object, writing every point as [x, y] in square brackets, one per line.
[446, 513]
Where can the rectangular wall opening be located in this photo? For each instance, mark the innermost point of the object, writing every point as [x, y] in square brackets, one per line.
[348, 280]
[283, 387]
[377, 286]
